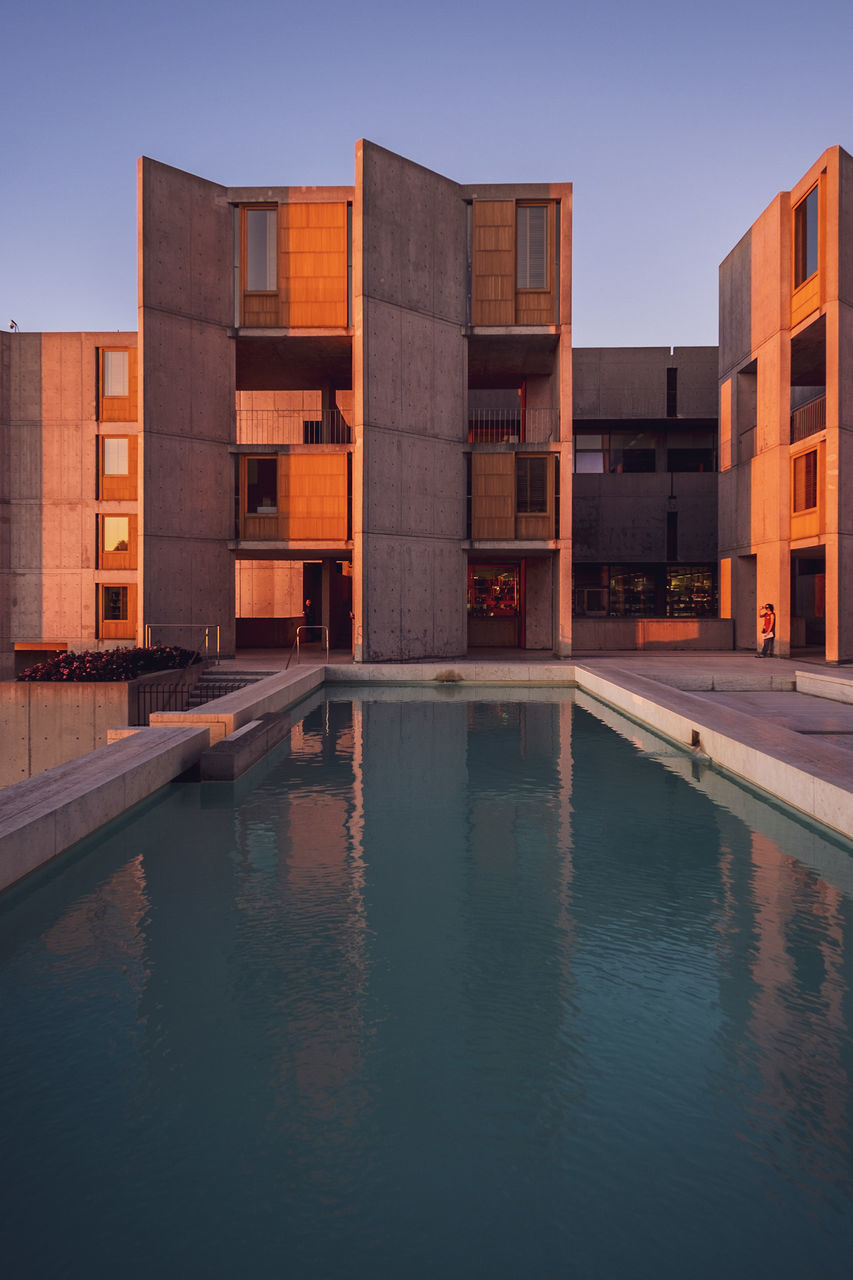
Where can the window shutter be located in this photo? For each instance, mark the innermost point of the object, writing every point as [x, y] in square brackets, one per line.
[532, 247]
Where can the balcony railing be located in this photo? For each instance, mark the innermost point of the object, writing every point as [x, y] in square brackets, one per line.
[513, 426]
[808, 419]
[292, 426]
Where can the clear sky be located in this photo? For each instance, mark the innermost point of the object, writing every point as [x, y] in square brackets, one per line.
[676, 122]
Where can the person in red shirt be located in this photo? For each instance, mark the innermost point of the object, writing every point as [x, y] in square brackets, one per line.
[768, 632]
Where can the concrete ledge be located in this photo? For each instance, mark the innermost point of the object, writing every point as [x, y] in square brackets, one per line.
[263, 697]
[803, 772]
[42, 816]
[234, 755]
[820, 686]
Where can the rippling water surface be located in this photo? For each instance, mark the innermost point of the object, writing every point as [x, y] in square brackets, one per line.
[454, 989]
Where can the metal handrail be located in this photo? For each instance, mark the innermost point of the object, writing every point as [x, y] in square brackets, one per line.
[206, 627]
[809, 418]
[292, 426]
[313, 626]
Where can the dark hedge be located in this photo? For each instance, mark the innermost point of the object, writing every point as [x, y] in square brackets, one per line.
[109, 664]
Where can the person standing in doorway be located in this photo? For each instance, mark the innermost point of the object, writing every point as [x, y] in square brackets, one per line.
[768, 631]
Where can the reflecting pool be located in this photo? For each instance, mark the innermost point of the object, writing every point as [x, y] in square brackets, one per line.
[448, 987]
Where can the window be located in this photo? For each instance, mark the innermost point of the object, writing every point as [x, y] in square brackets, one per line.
[261, 486]
[531, 246]
[805, 481]
[116, 611]
[116, 533]
[805, 238]
[261, 274]
[631, 452]
[531, 486]
[590, 454]
[615, 452]
[115, 462]
[117, 457]
[116, 373]
[690, 451]
[114, 604]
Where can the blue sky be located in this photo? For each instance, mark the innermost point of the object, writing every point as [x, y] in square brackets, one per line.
[677, 124]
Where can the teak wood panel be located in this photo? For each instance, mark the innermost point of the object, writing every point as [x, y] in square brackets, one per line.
[313, 496]
[312, 501]
[118, 559]
[119, 488]
[119, 408]
[539, 306]
[493, 495]
[493, 263]
[313, 265]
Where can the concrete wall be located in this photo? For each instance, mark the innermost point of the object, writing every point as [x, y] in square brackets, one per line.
[594, 634]
[6, 657]
[186, 306]
[622, 518]
[51, 429]
[631, 382]
[409, 383]
[46, 724]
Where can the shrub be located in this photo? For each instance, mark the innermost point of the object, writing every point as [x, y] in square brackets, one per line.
[110, 664]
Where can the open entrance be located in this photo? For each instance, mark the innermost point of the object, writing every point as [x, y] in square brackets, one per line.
[808, 599]
[274, 597]
[495, 605]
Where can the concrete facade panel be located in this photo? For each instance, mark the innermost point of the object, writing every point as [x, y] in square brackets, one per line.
[187, 384]
[735, 309]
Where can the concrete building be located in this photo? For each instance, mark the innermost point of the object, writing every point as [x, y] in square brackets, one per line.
[786, 416]
[644, 508]
[351, 408]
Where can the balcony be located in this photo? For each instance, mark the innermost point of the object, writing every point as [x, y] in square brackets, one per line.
[292, 426]
[808, 419]
[513, 426]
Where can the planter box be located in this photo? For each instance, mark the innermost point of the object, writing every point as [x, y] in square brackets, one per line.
[46, 723]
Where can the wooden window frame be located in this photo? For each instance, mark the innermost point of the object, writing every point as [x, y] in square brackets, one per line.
[527, 458]
[112, 408]
[800, 237]
[809, 481]
[117, 628]
[117, 559]
[117, 487]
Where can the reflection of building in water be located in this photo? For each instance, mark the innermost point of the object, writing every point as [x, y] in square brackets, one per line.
[300, 843]
[790, 922]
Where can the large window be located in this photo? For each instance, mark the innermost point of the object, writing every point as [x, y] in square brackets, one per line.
[805, 481]
[261, 274]
[531, 246]
[531, 485]
[616, 452]
[806, 237]
[645, 590]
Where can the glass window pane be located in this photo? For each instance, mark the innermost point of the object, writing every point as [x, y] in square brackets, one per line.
[115, 604]
[115, 373]
[260, 250]
[115, 456]
[261, 486]
[116, 533]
